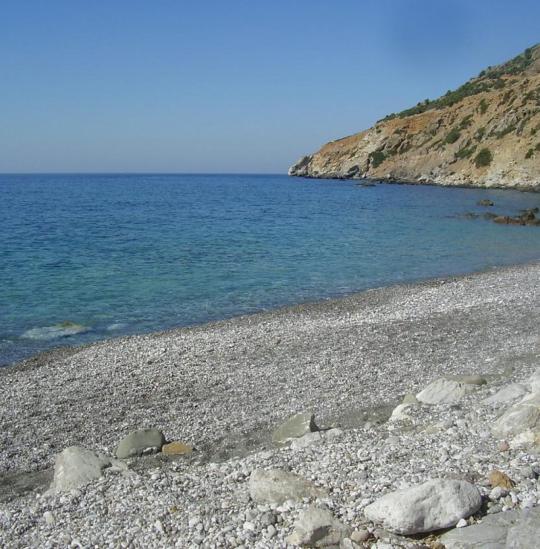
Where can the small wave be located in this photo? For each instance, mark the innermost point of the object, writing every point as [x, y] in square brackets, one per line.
[65, 329]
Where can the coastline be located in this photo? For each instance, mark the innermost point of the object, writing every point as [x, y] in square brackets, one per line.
[443, 182]
[224, 386]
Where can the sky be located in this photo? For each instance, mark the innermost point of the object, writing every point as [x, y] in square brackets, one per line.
[238, 86]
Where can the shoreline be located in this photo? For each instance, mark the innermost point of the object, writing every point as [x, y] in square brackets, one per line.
[223, 387]
[60, 351]
[533, 188]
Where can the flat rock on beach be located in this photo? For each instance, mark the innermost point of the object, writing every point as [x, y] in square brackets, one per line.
[226, 387]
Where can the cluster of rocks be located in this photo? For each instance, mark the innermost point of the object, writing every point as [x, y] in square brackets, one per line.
[525, 217]
[493, 512]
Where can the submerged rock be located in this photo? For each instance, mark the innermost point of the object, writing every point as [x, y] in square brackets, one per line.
[430, 506]
[277, 486]
[295, 427]
[140, 442]
[64, 329]
[317, 527]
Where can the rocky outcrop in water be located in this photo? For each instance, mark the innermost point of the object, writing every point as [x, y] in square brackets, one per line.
[484, 134]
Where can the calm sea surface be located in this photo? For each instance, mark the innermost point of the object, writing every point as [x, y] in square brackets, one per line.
[125, 254]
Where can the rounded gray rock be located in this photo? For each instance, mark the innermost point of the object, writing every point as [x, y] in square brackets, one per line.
[430, 506]
[137, 442]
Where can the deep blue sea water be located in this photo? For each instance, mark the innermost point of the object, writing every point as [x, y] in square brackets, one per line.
[125, 254]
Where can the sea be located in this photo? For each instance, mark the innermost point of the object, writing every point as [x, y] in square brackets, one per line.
[89, 257]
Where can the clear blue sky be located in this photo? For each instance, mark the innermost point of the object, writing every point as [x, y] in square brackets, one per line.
[228, 86]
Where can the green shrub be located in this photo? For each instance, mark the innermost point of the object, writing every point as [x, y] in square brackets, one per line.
[483, 158]
[466, 122]
[483, 106]
[377, 158]
[530, 154]
[465, 152]
[453, 136]
[480, 133]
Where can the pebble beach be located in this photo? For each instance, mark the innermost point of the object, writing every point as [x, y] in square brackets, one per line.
[389, 390]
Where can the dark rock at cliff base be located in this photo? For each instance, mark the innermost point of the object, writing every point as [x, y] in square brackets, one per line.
[527, 218]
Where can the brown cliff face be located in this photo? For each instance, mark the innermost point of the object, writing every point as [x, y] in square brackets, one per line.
[484, 134]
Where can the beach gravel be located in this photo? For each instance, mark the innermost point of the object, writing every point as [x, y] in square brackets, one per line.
[224, 388]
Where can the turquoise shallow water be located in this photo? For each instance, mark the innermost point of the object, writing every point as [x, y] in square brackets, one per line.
[124, 254]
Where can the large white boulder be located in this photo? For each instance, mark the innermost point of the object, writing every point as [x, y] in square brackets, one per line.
[277, 486]
[76, 467]
[522, 416]
[430, 506]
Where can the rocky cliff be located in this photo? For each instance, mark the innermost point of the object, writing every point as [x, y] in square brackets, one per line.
[486, 134]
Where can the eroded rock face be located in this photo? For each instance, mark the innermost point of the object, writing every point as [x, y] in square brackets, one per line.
[443, 391]
[139, 442]
[76, 467]
[317, 527]
[469, 138]
[430, 506]
[277, 486]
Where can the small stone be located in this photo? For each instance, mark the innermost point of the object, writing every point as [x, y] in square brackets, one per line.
[444, 390]
[497, 493]
[277, 486]
[309, 439]
[271, 531]
[317, 527]
[49, 518]
[461, 523]
[498, 478]
[468, 379]
[177, 448]
[504, 446]
[294, 427]
[139, 442]
[359, 536]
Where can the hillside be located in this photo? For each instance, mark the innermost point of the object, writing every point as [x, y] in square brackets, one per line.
[485, 134]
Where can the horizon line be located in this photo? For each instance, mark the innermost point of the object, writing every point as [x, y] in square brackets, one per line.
[140, 173]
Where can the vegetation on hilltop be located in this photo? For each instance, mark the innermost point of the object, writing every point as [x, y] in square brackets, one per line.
[489, 79]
